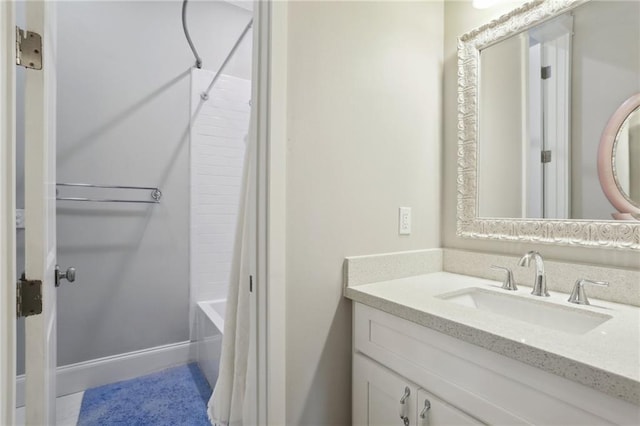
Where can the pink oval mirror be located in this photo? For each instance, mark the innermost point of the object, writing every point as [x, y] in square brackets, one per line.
[619, 159]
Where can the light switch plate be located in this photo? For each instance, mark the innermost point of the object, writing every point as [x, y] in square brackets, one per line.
[404, 221]
[19, 218]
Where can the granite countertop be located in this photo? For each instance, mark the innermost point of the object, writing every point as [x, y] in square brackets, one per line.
[606, 358]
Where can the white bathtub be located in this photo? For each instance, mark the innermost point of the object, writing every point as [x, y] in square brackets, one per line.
[209, 329]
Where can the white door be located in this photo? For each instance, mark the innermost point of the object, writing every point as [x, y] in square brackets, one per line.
[547, 189]
[7, 215]
[381, 397]
[40, 218]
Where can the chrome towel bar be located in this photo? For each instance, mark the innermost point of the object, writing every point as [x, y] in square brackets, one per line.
[156, 194]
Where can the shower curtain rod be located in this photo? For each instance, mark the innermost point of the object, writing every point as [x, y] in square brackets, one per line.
[205, 95]
[188, 36]
[156, 194]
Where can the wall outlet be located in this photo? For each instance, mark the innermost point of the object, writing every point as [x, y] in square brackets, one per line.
[404, 221]
[19, 218]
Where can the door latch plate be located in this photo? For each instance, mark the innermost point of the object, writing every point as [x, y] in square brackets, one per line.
[29, 295]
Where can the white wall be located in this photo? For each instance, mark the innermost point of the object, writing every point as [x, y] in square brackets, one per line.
[364, 137]
[461, 17]
[123, 118]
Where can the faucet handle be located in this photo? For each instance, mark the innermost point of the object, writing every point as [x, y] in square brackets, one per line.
[508, 283]
[579, 296]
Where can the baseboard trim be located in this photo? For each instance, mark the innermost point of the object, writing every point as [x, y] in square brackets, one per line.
[97, 372]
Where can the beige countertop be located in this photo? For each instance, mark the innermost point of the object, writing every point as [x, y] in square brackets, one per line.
[605, 358]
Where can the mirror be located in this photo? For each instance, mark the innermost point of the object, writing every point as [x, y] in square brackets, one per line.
[626, 151]
[536, 88]
[545, 96]
[619, 160]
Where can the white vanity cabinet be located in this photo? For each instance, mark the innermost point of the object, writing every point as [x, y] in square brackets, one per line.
[381, 397]
[464, 383]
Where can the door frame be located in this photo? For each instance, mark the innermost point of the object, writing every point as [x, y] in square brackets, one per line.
[270, 42]
[7, 213]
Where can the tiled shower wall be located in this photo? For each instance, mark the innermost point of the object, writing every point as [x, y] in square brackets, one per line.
[219, 128]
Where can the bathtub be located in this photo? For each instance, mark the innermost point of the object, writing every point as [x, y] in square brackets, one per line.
[209, 329]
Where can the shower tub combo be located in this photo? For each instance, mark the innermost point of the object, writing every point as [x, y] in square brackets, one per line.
[209, 330]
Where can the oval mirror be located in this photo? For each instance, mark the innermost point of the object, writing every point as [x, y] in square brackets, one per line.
[619, 159]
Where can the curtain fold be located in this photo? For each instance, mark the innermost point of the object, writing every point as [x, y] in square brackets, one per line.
[227, 404]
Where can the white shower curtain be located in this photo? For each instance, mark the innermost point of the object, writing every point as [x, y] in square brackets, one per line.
[227, 406]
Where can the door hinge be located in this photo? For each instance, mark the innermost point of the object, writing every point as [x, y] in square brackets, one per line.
[29, 297]
[250, 283]
[545, 72]
[546, 156]
[28, 49]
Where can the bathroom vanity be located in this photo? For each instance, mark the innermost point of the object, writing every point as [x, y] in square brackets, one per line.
[443, 348]
[437, 339]
[434, 347]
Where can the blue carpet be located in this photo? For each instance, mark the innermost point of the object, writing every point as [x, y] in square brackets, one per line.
[177, 396]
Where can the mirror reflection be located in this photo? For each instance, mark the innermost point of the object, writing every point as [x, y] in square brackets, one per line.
[626, 158]
[545, 96]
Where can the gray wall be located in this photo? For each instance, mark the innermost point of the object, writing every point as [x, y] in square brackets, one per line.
[461, 17]
[364, 138]
[123, 117]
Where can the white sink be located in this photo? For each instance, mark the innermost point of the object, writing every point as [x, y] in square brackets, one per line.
[537, 312]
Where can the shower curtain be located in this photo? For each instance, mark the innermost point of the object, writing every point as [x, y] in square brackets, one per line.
[227, 406]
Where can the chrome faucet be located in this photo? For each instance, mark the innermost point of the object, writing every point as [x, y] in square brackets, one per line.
[540, 283]
[508, 283]
[578, 294]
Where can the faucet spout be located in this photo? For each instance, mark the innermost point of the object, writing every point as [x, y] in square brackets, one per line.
[540, 283]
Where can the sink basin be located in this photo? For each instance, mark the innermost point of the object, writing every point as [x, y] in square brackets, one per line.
[537, 312]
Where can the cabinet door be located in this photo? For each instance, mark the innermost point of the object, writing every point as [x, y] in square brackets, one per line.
[381, 397]
[432, 411]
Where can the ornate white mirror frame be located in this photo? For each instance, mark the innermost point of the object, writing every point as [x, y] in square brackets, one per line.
[607, 234]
